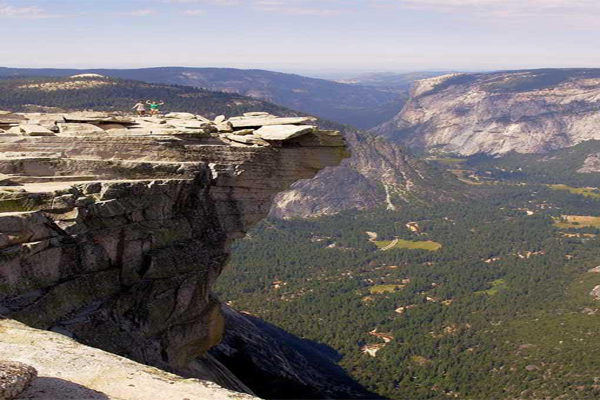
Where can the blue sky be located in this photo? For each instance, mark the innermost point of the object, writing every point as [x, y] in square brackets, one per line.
[302, 35]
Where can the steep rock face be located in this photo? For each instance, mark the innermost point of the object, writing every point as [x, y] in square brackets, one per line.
[379, 173]
[524, 111]
[118, 240]
[278, 365]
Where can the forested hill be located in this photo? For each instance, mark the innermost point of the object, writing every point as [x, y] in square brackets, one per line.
[357, 105]
[109, 94]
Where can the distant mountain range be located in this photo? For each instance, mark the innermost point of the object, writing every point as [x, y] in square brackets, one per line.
[363, 106]
[529, 111]
[390, 80]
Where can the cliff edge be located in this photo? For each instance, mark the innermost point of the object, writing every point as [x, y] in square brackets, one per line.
[114, 229]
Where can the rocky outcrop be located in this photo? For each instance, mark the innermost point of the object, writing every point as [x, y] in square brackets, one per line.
[117, 239]
[591, 164]
[70, 370]
[379, 174]
[495, 113]
[15, 377]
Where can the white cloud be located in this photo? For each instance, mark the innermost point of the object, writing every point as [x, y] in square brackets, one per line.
[23, 12]
[194, 12]
[139, 13]
[506, 8]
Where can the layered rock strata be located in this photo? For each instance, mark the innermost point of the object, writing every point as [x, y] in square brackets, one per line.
[117, 239]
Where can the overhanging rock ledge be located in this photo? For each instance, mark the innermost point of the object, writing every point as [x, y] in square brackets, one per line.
[116, 236]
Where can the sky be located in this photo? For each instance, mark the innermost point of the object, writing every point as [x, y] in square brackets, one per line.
[301, 35]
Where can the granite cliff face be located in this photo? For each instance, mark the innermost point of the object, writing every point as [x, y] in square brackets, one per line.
[379, 174]
[495, 113]
[115, 235]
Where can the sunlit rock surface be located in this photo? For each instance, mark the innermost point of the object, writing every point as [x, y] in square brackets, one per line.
[116, 239]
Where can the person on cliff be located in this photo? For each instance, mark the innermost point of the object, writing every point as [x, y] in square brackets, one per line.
[140, 108]
[155, 107]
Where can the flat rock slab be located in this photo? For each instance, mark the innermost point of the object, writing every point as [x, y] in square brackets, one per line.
[180, 115]
[15, 377]
[96, 117]
[246, 139]
[266, 121]
[283, 132]
[35, 130]
[71, 371]
[80, 129]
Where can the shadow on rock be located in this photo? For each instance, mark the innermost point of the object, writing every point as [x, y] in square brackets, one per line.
[49, 388]
[275, 364]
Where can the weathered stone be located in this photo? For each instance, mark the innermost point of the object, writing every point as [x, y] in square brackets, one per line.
[595, 293]
[133, 230]
[225, 127]
[15, 377]
[187, 123]
[75, 129]
[246, 139]
[244, 132]
[220, 119]
[264, 121]
[180, 115]
[35, 130]
[283, 132]
[93, 116]
[69, 370]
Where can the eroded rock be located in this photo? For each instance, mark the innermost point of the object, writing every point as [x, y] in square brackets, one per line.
[15, 377]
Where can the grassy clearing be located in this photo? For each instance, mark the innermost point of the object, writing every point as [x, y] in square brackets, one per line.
[409, 244]
[587, 192]
[497, 286]
[385, 288]
[577, 221]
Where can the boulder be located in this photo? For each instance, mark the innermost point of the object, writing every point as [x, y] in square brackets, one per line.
[187, 123]
[15, 377]
[283, 132]
[180, 115]
[35, 130]
[595, 293]
[249, 122]
[74, 129]
[15, 130]
[220, 119]
[225, 127]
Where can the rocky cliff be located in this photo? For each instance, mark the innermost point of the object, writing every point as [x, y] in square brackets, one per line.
[113, 229]
[379, 174]
[495, 113]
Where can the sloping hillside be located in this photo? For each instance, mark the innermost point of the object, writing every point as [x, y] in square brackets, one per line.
[531, 111]
[357, 105]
